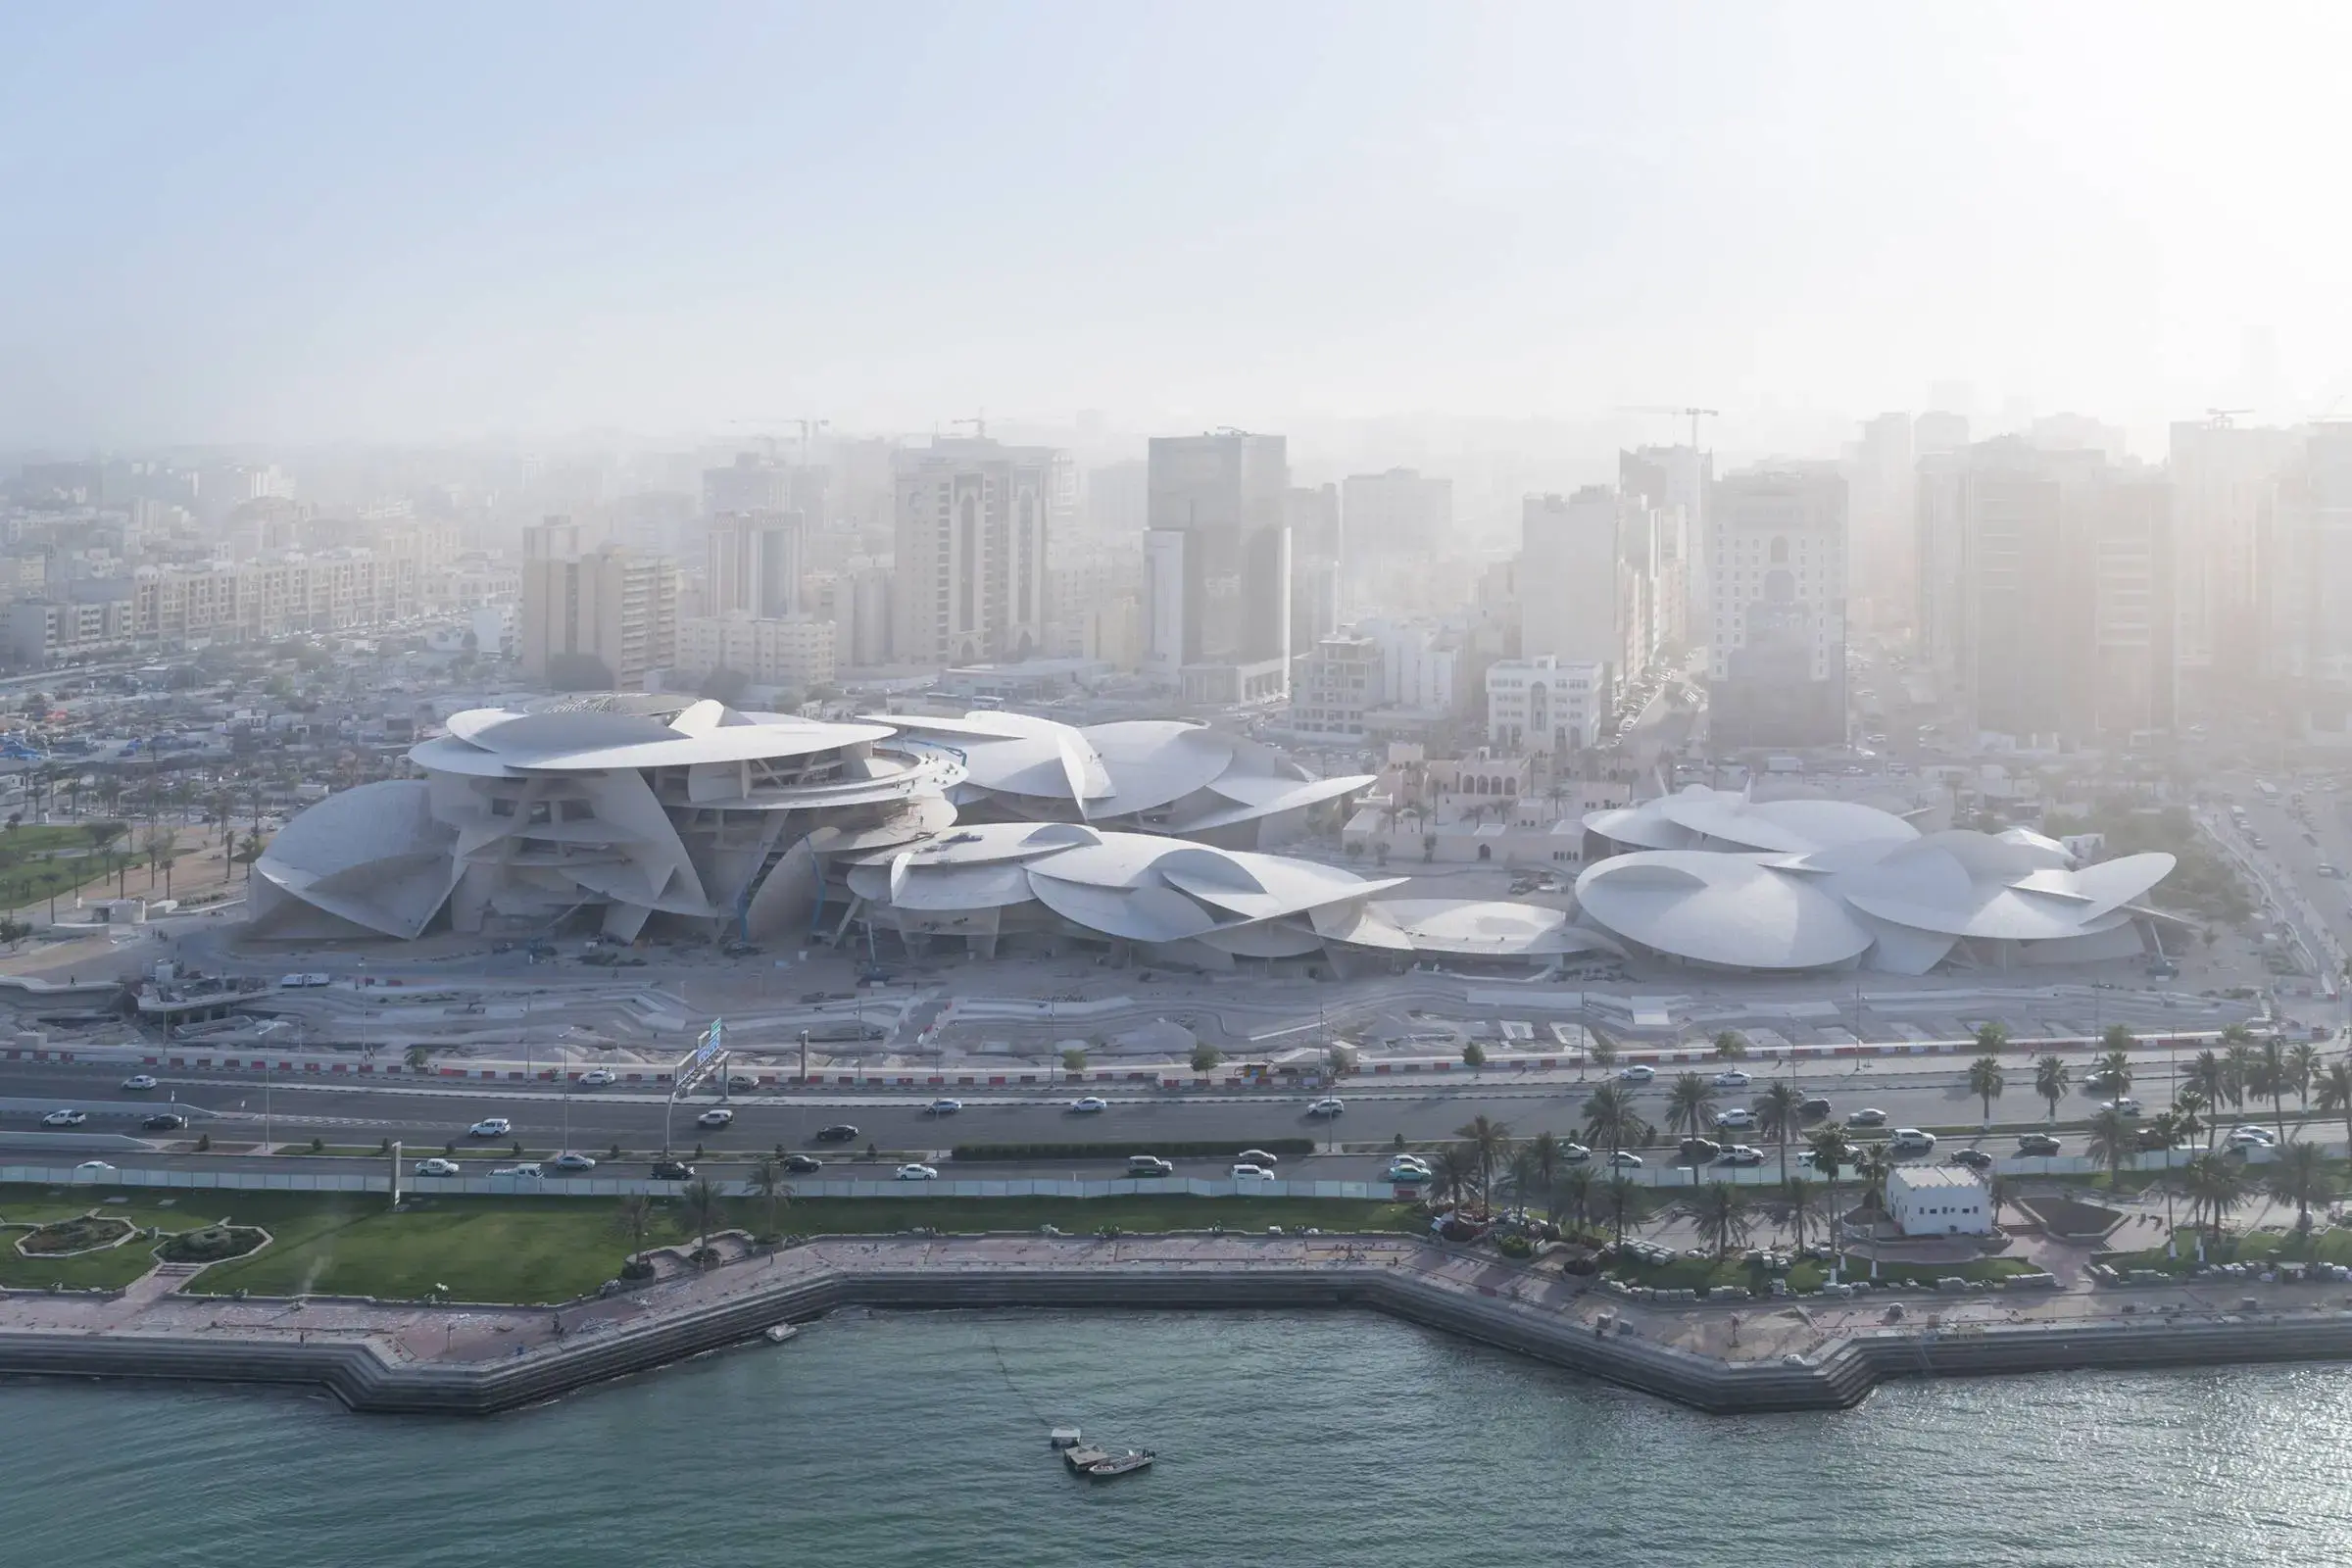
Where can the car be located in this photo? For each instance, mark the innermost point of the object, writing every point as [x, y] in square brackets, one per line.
[715, 1116]
[598, 1078]
[1626, 1159]
[672, 1170]
[1574, 1154]
[525, 1172]
[2040, 1145]
[2100, 1078]
[1148, 1166]
[1737, 1118]
[1910, 1141]
[1257, 1156]
[571, 1160]
[139, 1080]
[490, 1127]
[1973, 1159]
[1637, 1073]
[740, 1084]
[2252, 1137]
[943, 1107]
[1813, 1105]
[1400, 1171]
[1249, 1173]
[437, 1167]
[841, 1132]
[65, 1118]
[1328, 1105]
[1733, 1078]
[1089, 1105]
[1741, 1155]
[93, 1170]
[914, 1173]
[165, 1121]
[2124, 1106]
[1697, 1151]
[803, 1165]
[1414, 1160]
[1868, 1117]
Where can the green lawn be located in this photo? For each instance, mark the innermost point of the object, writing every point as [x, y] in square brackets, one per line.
[2324, 1245]
[1693, 1273]
[39, 862]
[119, 1265]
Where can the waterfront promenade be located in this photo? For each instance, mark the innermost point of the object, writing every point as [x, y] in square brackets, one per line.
[1820, 1352]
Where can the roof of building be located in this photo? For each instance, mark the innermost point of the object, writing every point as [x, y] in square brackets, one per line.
[1916, 1178]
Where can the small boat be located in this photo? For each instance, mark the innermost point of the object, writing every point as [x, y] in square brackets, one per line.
[778, 1333]
[1121, 1464]
[1080, 1457]
[1063, 1438]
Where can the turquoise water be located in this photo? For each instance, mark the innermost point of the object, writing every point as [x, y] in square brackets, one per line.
[897, 1439]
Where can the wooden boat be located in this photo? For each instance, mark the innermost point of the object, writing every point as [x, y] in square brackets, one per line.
[1121, 1464]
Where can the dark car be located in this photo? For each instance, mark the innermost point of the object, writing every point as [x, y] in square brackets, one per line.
[1813, 1105]
[2042, 1144]
[841, 1132]
[1700, 1150]
[163, 1121]
[1973, 1159]
[672, 1170]
[803, 1165]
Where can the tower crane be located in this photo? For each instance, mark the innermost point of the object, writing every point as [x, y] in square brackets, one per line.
[979, 424]
[2219, 418]
[1693, 414]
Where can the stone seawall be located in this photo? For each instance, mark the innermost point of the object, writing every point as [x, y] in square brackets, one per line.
[377, 1373]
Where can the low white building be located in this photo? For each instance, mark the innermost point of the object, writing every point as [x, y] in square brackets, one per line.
[1540, 705]
[1939, 1201]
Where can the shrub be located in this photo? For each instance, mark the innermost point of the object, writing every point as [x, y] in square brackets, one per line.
[1516, 1247]
[204, 1143]
[317, 1146]
[636, 1268]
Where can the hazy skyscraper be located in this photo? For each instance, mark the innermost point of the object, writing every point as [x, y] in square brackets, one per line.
[2223, 477]
[757, 561]
[1387, 522]
[1218, 567]
[1777, 629]
[974, 518]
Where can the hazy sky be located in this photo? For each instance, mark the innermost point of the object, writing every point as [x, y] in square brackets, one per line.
[292, 221]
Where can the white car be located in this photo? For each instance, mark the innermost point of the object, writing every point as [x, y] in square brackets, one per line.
[715, 1116]
[490, 1127]
[1247, 1173]
[1738, 1117]
[520, 1173]
[570, 1161]
[1257, 1156]
[943, 1107]
[1574, 1154]
[1635, 1074]
[914, 1173]
[1733, 1078]
[2126, 1106]
[1328, 1105]
[2252, 1137]
[437, 1167]
[93, 1170]
[65, 1118]
[1090, 1105]
[1409, 1172]
[1626, 1159]
[139, 1080]
[599, 1077]
[1910, 1141]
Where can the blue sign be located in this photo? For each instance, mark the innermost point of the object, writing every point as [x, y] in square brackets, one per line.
[711, 1042]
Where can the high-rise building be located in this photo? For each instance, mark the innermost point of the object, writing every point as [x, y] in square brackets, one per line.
[600, 620]
[975, 519]
[1218, 567]
[1777, 635]
[1388, 524]
[2223, 477]
[1118, 505]
[754, 483]
[2307, 611]
[756, 563]
[1675, 480]
[1588, 581]
[1883, 488]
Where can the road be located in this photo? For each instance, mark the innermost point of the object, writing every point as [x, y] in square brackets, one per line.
[425, 1117]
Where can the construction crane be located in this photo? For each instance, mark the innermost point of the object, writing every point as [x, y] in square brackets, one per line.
[808, 427]
[979, 424]
[1693, 414]
[2219, 418]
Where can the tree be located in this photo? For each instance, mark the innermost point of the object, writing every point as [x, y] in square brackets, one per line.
[2112, 1139]
[1779, 1118]
[1833, 1152]
[1611, 1119]
[418, 1057]
[1205, 1057]
[2270, 1078]
[1073, 1061]
[1572, 1194]
[1603, 1053]
[1488, 1141]
[706, 1211]
[2116, 1040]
[1993, 1038]
[1729, 1046]
[2302, 1071]
[1474, 1056]
[1522, 1176]
[2114, 1073]
[1453, 1172]
[1543, 1156]
[2335, 1089]
[1624, 1196]
[2214, 1186]
[1690, 1112]
[1985, 1081]
[1723, 1215]
[2189, 1112]
[767, 1182]
[2299, 1176]
[2237, 1064]
[633, 1221]
[2050, 1080]
[1803, 1206]
[1339, 1061]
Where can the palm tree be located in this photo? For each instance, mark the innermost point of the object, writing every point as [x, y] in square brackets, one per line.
[2238, 1063]
[706, 1211]
[767, 1182]
[2111, 1140]
[1729, 1046]
[1690, 1112]
[1723, 1212]
[1985, 1081]
[2189, 1112]
[1488, 1141]
[2335, 1089]
[1993, 1038]
[2114, 1072]
[1801, 1205]
[1779, 1118]
[633, 1221]
[1603, 1051]
[1832, 1151]
[2302, 1071]
[2299, 1176]
[1623, 1195]
[1573, 1192]
[1542, 1152]
[2050, 1080]
[2270, 1076]
[2118, 1039]
[2209, 1076]
[2214, 1186]
[1612, 1120]
[1454, 1172]
[1871, 1167]
[1523, 1176]
[418, 1057]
